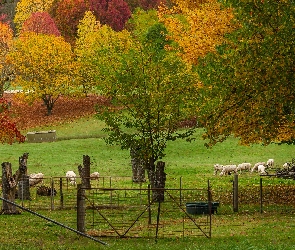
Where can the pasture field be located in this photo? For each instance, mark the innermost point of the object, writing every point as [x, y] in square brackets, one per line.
[192, 162]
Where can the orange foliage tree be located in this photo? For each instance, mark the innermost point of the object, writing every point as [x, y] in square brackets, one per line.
[6, 71]
[196, 26]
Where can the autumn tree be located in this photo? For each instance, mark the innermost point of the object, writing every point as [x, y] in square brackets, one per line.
[196, 26]
[44, 65]
[25, 8]
[67, 14]
[6, 70]
[40, 23]
[8, 130]
[114, 13]
[151, 90]
[85, 73]
[249, 83]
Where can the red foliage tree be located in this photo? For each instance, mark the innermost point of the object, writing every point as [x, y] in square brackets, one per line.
[8, 130]
[149, 4]
[114, 13]
[67, 14]
[40, 22]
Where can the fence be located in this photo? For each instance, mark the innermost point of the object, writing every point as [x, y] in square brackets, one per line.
[124, 212]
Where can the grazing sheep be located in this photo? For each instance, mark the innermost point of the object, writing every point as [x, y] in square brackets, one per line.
[261, 169]
[94, 176]
[228, 169]
[34, 179]
[256, 166]
[46, 191]
[244, 166]
[217, 167]
[287, 165]
[270, 163]
[71, 177]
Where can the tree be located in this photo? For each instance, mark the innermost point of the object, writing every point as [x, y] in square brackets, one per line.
[6, 71]
[152, 91]
[114, 13]
[40, 23]
[25, 8]
[92, 39]
[85, 72]
[8, 130]
[44, 64]
[249, 83]
[196, 27]
[67, 14]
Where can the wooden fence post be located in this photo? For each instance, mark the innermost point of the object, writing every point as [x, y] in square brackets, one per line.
[80, 208]
[235, 193]
[261, 199]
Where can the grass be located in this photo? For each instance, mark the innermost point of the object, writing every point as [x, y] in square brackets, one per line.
[191, 162]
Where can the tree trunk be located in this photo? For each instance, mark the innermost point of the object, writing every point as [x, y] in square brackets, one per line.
[23, 183]
[84, 172]
[9, 183]
[157, 178]
[138, 170]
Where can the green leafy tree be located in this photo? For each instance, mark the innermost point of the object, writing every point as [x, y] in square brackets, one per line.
[249, 83]
[152, 91]
[44, 65]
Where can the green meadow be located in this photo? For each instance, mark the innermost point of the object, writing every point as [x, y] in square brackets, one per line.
[192, 162]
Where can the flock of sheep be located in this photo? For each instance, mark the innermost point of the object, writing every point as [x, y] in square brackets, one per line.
[260, 167]
[71, 176]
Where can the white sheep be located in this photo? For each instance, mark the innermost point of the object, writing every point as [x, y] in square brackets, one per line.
[261, 169]
[287, 165]
[255, 167]
[71, 177]
[34, 179]
[244, 166]
[217, 167]
[228, 169]
[94, 176]
[270, 163]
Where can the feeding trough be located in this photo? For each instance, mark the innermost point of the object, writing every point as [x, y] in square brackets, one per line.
[41, 136]
[201, 207]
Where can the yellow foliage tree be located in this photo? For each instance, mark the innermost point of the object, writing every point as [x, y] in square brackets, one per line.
[196, 26]
[6, 38]
[44, 64]
[92, 40]
[25, 8]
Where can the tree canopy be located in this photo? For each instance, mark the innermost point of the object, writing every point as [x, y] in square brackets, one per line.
[249, 83]
[45, 65]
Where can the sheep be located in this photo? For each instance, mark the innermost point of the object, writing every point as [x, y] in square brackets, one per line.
[34, 179]
[244, 166]
[261, 169]
[94, 176]
[287, 165]
[256, 166]
[217, 167]
[71, 177]
[270, 163]
[228, 169]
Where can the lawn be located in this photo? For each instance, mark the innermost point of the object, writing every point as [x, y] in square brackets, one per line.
[192, 163]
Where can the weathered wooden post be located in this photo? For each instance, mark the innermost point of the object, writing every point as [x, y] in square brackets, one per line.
[23, 183]
[84, 172]
[9, 183]
[261, 198]
[235, 193]
[138, 170]
[61, 193]
[160, 179]
[80, 208]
